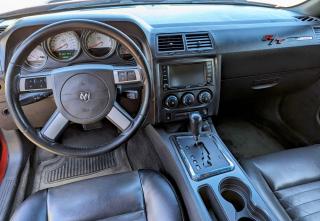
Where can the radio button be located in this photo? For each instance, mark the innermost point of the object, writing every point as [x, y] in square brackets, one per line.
[171, 101]
[188, 99]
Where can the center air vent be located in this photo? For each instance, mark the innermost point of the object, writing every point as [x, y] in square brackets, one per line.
[317, 32]
[198, 41]
[168, 43]
[2, 28]
[306, 18]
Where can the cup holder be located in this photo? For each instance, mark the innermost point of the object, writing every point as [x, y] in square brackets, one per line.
[238, 195]
[234, 198]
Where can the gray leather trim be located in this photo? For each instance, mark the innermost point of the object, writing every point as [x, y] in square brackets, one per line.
[36, 203]
[157, 193]
[141, 196]
[283, 179]
[262, 187]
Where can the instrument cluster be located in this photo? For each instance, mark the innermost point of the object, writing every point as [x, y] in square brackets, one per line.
[67, 46]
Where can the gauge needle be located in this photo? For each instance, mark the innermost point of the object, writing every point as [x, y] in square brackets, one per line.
[62, 46]
[96, 44]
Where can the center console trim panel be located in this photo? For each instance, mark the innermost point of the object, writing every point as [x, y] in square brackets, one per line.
[181, 112]
[214, 151]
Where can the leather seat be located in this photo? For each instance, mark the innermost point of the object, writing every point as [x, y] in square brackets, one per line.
[289, 181]
[139, 195]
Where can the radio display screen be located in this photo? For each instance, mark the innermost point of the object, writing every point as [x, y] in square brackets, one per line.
[187, 75]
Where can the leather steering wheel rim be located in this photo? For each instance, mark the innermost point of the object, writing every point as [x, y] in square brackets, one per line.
[12, 90]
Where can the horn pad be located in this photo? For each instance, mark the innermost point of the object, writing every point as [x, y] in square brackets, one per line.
[85, 98]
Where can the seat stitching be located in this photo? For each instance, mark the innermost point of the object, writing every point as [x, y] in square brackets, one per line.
[119, 215]
[143, 196]
[175, 195]
[281, 198]
[291, 207]
[300, 217]
[47, 195]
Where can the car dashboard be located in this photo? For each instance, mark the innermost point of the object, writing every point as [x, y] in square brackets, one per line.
[201, 56]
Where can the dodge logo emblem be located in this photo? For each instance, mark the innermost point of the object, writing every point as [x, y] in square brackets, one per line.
[84, 96]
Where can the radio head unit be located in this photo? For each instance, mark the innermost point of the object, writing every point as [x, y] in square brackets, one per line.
[188, 85]
[186, 74]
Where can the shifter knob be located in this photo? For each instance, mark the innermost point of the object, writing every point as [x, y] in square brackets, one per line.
[195, 125]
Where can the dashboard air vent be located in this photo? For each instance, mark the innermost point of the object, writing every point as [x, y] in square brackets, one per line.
[2, 28]
[170, 43]
[307, 18]
[317, 32]
[198, 41]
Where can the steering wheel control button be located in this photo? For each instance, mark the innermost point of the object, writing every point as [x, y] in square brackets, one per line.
[131, 76]
[171, 101]
[188, 99]
[85, 98]
[123, 76]
[204, 97]
[35, 83]
[126, 76]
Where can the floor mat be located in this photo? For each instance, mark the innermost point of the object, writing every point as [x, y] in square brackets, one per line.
[62, 170]
[246, 140]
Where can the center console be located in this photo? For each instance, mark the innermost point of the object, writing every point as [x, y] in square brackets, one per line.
[187, 85]
[211, 181]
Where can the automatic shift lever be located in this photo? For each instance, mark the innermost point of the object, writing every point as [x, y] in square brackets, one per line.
[195, 125]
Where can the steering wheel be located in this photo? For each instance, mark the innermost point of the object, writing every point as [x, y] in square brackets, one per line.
[83, 93]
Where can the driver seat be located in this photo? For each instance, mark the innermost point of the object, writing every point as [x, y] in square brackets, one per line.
[139, 195]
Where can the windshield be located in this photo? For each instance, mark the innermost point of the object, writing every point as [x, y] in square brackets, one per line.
[13, 5]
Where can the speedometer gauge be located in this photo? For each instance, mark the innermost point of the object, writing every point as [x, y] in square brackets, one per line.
[37, 58]
[64, 46]
[98, 45]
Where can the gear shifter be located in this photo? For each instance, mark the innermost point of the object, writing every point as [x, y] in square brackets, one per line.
[195, 125]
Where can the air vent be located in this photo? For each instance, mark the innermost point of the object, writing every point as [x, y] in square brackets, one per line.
[317, 32]
[198, 41]
[2, 29]
[167, 43]
[307, 18]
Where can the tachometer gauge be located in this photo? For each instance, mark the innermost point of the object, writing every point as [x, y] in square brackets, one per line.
[98, 45]
[64, 46]
[37, 58]
[124, 53]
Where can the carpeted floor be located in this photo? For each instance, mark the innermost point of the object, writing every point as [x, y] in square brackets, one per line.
[245, 140]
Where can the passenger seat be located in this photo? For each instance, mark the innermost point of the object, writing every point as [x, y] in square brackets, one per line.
[289, 182]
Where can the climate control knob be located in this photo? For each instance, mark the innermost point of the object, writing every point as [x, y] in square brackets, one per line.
[188, 99]
[204, 97]
[171, 101]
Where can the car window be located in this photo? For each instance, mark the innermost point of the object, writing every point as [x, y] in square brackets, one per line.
[12, 5]
[280, 3]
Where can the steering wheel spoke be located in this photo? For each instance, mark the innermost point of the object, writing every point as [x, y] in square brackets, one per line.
[35, 83]
[127, 75]
[54, 126]
[119, 117]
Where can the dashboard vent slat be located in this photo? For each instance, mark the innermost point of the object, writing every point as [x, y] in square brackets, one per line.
[2, 29]
[305, 18]
[170, 43]
[198, 41]
[317, 32]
